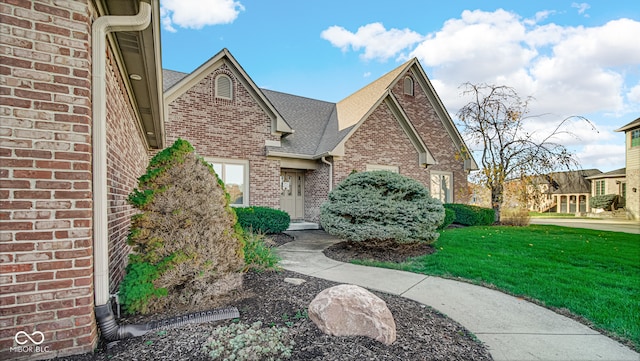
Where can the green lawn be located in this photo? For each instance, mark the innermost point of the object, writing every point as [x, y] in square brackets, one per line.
[552, 215]
[594, 274]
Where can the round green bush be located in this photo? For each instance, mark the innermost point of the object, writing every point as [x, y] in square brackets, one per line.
[263, 219]
[382, 205]
[603, 201]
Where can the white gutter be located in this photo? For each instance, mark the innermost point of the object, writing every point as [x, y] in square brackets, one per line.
[101, 27]
[325, 161]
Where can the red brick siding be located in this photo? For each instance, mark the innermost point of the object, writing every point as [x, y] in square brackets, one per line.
[234, 129]
[46, 254]
[316, 191]
[127, 159]
[424, 118]
[380, 140]
[46, 200]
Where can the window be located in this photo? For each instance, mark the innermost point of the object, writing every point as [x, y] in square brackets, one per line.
[390, 168]
[408, 85]
[599, 187]
[224, 87]
[635, 138]
[235, 175]
[442, 186]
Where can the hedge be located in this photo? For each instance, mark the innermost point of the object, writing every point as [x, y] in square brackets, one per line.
[471, 215]
[603, 201]
[263, 219]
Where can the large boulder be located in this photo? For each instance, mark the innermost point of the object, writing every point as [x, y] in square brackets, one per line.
[349, 310]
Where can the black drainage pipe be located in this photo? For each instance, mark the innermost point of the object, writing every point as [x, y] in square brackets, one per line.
[111, 331]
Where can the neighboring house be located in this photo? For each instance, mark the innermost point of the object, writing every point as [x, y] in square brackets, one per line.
[562, 192]
[80, 114]
[288, 152]
[614, 182]
[632, 155]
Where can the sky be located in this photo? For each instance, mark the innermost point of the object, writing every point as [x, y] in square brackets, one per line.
[572, 58]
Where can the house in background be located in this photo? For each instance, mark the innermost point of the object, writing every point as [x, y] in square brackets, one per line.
[81, 94]
[613, 182]
[285, 151]
[563, 192]
[632, 156]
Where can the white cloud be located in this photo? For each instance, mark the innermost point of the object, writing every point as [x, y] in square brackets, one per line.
[582, 7]
[634, 94]
[367, 74]
[195, 14]
[377, 42]
[605, 157]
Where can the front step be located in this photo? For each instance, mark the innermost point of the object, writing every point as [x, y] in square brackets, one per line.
[302, 226]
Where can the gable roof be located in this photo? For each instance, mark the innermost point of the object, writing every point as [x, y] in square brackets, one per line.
[178, 85]
[322, 128]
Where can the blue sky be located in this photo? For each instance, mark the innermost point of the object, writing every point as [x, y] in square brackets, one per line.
[574, 58]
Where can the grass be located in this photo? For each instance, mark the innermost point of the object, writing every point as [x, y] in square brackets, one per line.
[594, 274]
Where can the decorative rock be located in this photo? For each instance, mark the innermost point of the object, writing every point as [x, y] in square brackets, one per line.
[349, 310]
[295, 281]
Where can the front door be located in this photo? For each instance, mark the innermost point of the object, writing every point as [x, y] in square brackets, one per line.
[292, 196]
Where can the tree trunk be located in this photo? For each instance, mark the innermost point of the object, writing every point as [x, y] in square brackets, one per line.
[496, 200]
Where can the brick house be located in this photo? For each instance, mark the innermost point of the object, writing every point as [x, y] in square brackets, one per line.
[80, 93]
[286, 151]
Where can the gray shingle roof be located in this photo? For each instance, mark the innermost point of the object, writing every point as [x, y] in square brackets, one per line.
[170, 78]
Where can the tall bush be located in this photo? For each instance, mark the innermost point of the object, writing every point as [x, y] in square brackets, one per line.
[382, 205]
[187, 245]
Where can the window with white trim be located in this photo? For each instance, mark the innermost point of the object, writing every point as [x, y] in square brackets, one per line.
[235, 176]
[224, 87]
[600, 187]
[390, 168]
[442, 186]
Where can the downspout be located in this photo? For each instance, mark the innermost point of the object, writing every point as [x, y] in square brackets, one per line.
[101, 27]
[325, 161]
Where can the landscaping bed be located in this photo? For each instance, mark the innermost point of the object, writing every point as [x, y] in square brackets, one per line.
[422, 333]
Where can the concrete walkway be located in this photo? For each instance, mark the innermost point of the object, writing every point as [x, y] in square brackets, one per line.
[512, 328]
[613, 225]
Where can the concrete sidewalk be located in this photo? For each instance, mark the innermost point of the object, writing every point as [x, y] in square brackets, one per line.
[613, 225]
[512, 328]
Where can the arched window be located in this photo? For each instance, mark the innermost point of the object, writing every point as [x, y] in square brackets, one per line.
[408, 85]
[224, 88]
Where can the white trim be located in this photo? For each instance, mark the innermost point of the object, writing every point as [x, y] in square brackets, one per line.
[245, 176]
[448, 197]
[272, 143]
[390, 168]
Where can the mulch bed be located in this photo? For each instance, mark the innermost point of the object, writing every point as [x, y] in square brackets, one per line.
[383, 251]
[422, 333]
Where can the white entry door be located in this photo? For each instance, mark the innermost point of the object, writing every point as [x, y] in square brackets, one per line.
[292, 196]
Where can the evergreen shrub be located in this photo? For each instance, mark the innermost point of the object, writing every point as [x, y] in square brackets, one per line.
[449, 217]
[382, 205]
[603, 201]
[469, 215]
[187, 246]
[263, 219]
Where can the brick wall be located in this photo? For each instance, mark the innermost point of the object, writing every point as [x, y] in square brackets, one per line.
[381, 140]
[316, 191]
[424, 118]
[46, 254]
[127, 159]
[235, 129]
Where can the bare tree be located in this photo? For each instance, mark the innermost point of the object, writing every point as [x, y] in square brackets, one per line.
[494, 122]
